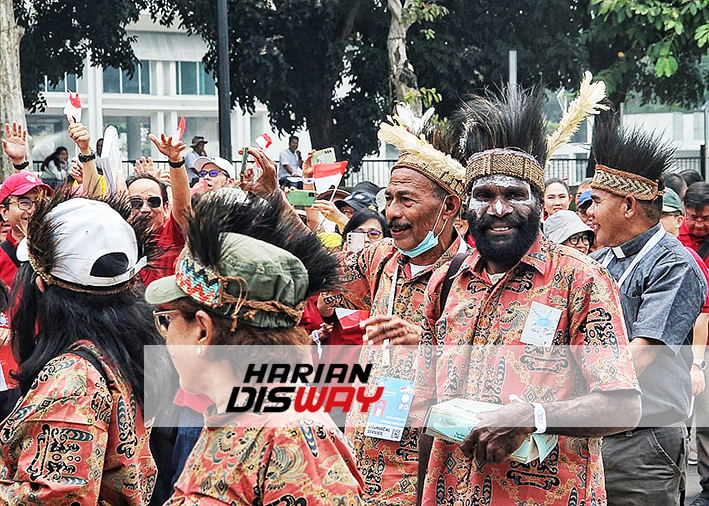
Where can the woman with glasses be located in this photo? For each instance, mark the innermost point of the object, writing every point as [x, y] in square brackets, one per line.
[369, 224]
[565, 227]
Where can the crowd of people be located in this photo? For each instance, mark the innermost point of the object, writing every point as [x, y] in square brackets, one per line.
[581, 316]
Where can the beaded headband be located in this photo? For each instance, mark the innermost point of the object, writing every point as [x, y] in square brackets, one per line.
[508, 162]
[625, 184]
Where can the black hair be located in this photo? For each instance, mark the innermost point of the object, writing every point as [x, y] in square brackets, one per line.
[144, 175]
[676, 182]
[691, 176]
[636, 152]
[697, 196]
[46, 324]
[512, 121]
[557, 180]
[292, 137]
[54, 157]
[363, 216]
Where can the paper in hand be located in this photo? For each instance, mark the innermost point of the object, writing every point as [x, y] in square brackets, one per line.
[72, 109]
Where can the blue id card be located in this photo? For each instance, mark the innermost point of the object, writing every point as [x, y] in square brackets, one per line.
[387, 416]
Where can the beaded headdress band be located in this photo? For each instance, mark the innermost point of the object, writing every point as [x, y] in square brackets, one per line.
[508, 162]
[209, 288]
[625, 184]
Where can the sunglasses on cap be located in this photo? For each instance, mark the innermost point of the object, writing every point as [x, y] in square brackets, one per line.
[212, 173]
[137, 202]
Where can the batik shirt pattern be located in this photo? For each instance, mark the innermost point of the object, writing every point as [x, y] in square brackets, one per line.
[74, 441]
[474, 350]
[389, 468]
[275, 459]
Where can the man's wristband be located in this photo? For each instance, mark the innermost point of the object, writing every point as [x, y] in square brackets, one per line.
[87, 158]
[176, 165]
[21, 166]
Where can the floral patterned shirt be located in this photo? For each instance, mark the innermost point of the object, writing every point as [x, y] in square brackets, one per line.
[74, 440]
[276, 458]
[474, 350]
[389, 468]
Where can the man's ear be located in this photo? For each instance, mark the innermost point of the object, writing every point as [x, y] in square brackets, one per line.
[451, 206]
[40, 284]
[630, 206]
[3, 212]
[206, 328]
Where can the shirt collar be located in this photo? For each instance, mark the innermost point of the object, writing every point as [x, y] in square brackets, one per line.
[634, 245]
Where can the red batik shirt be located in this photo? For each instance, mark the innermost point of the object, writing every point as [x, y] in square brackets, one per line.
[389, 468]
[275, 458]
[589, 353]
[72, 440]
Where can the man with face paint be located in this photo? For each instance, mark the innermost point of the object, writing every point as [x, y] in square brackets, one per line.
[528, 324]
[389, 279]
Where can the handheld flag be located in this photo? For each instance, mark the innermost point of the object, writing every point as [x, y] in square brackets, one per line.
[73, 107]
[264, 141]
[177, 136]
[327, 175]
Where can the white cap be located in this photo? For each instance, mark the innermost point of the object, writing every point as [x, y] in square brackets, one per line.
[85, 231]
[563, 224]
[222, 163]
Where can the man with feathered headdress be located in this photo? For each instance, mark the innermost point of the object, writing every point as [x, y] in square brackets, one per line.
[528, 324]
[662, 292]
[422, 200]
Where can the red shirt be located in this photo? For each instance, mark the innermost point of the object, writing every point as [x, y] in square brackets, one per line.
[171, 240]
[8, 269]
[692, 244]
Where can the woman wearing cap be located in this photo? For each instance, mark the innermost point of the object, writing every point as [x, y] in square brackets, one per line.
[565, 227]
[77, 435]
[243, 279]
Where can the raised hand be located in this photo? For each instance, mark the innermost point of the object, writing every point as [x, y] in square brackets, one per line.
[77, 170]
[268, 182]
[80, 135]
[15, 142]
[146, 166]
[172, 148]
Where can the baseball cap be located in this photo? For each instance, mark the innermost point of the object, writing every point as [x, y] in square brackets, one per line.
[95, 246]
[197, 139]
[339, 194]
[362, 196]
[563, 224]
[671, 202]
[584, 199]
[223, 164]
[21, 183]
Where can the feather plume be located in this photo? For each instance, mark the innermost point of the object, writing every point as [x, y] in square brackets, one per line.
[397, 135]
[588, 102]
[405, 117]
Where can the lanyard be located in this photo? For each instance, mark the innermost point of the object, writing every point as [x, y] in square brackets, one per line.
[386, 354]
[654, 240]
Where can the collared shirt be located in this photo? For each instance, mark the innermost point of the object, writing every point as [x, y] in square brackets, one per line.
[689, 240]
[389, 468]
[661, 298]
[290, 158]
[474, 349]
[171, 240]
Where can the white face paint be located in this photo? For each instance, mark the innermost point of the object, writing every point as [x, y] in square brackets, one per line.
[503, 181]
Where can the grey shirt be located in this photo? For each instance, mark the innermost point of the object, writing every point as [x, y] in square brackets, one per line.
[661, 298]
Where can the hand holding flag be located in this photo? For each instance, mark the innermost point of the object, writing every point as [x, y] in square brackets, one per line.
[72, 109]
[180, 131]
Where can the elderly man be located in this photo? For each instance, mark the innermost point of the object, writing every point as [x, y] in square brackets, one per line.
[662, 293]
[533, 326]
[389, 279]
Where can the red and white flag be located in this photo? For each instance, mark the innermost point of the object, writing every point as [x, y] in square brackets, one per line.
[264, 141]
[327, 175]
[177, 136]
[73, 107]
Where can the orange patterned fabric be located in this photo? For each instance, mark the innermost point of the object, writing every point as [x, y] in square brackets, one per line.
[275, 459]
[72, 440]
[389, 468]
[468, 361]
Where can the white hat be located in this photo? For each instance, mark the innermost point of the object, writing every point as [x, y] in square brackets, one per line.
[87, 230]
[563, 224]
[222, 163]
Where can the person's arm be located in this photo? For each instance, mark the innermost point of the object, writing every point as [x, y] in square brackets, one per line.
[644, 352]
[180, 205]
[15, 144]
[331, 212]
[80, 135]
[699, 345]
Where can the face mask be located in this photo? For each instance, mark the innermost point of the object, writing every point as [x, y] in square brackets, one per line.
[429, 242]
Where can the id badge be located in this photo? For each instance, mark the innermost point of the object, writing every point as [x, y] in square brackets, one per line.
[541, 324]
[387, 416]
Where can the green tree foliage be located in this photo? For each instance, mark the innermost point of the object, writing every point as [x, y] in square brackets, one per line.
[59, 34]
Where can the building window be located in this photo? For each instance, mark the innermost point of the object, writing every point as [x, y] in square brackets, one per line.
[193, 79]
[118, 81]
[67, 83]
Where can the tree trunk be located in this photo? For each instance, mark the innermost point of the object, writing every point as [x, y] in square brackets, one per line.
[12, 107]
[320, 124]
[401, 73]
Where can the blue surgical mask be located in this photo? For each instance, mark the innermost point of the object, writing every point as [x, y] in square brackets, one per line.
[429, 242]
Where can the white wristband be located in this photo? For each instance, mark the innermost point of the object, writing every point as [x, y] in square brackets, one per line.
[540, 418]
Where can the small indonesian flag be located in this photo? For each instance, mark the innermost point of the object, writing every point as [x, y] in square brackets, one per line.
[264, 141]
[177, 136]
[73, 107]
[327, 175]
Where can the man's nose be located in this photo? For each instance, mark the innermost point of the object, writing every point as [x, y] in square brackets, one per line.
[499, 207]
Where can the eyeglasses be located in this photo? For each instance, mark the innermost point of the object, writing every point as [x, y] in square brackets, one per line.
[162, 320]
[212, 173]
[137, 202]
[26, 204]
[584, 239]
[373, 234]
[697, 219]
